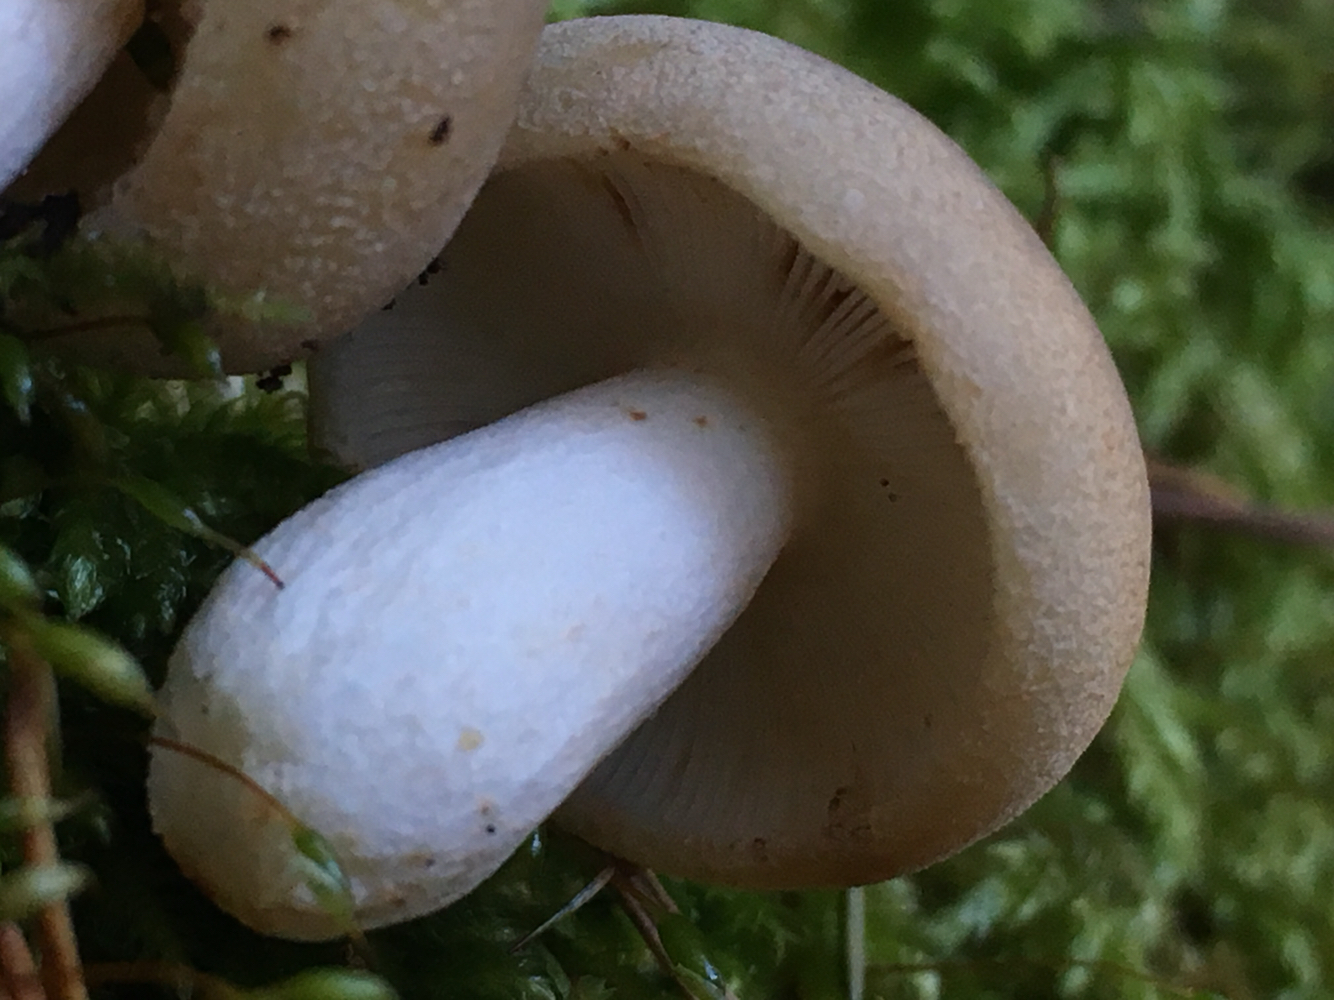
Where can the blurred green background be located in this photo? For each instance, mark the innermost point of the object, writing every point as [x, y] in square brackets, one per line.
[1190, 146]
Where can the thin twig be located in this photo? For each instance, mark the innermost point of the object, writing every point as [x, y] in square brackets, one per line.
[1045, 223]
[235, 773]
[27, 716]
[648, 930]
[640, 890]
[576, 902]
[645, 881]
[1187, 495]
[854, 941]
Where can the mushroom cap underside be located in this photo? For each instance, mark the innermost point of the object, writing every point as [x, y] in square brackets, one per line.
[951, 621]
[313, 154]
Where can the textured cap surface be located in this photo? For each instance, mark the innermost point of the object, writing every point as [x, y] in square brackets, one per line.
[1018, 367]
[316, 152]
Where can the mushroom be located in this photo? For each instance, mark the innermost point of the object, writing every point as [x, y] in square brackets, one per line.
[54, 53]
[772, 389]
[313, 154]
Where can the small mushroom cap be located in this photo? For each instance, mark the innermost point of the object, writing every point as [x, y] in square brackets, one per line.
[314, 152]
[54, 53]
[965, 586]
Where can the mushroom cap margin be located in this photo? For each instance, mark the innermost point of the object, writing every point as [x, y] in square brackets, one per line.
[1015, 360]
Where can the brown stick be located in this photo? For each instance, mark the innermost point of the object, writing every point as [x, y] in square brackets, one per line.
[31, 700]
[1045, 223]
[1187, 495]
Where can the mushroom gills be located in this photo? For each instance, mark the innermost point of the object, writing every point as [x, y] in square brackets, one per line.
[571, 271]
[462, 633]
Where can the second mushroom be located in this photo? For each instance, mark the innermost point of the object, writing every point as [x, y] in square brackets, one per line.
[756, 392]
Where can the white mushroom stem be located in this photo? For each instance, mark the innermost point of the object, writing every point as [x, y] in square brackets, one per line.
[54, 51]
[591, 549]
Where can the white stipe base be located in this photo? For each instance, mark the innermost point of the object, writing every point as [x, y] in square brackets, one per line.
[464, 633]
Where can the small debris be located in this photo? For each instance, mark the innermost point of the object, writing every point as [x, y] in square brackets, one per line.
[440, 133]
[273, 380]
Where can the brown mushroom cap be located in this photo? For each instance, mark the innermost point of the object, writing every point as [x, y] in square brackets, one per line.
[949, 626]
[54, 53]
[315, 152]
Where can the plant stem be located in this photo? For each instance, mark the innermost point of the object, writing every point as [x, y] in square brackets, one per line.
[31, 700]
[1188, 495]
[854, 941]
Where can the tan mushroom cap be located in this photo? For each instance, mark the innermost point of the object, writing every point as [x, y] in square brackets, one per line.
[926, 662]
[54, 53]
[317, 152]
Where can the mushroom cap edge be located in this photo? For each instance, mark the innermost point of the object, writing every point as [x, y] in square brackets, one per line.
[1016, 361]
